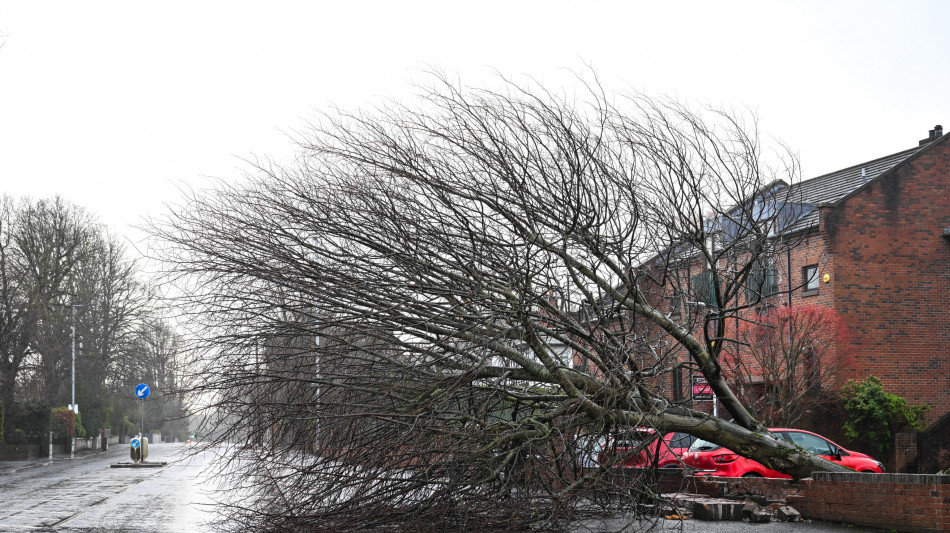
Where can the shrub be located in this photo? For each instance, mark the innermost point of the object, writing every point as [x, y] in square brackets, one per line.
[63, 423]
[874, 414]
[18, 437]
[129, 427]
[33, 417]
[80, 429]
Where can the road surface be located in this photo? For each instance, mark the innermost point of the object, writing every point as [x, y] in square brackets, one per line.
[86, 495]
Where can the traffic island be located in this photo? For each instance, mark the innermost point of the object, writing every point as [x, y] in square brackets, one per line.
[138, 452]
[138, 465]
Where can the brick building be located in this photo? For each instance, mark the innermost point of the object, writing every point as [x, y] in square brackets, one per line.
[882, 247]
[872, 242]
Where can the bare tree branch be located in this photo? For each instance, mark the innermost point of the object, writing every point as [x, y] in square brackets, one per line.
[488, 275]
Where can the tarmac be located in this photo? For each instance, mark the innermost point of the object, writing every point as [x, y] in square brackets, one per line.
[617, 524]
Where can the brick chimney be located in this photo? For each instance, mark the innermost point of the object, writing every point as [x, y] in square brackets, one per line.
[935, 133]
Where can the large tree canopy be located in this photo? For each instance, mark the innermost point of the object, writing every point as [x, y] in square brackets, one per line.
[66, 287]
[416, 320]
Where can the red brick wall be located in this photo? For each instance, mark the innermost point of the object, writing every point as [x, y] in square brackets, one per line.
[891, 277]
[900, 502]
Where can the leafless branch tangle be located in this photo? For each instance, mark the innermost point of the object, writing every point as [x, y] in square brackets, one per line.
[412, 326]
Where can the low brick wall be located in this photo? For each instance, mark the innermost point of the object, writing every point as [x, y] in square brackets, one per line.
[913, 503]
[757, 488]
[903, 502]
[18, 452]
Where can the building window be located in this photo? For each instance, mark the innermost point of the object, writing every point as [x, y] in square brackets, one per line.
[762, 282]
[810, 276]
[676, 304]
[704, 288]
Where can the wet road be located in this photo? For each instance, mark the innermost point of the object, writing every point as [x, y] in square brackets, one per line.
[86, 495]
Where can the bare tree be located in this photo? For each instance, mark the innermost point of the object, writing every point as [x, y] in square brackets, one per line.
[788, 363]
[106, 303]
[112, 325]
[40, 245]
[451, 293]
[157, 360]
[59, 270]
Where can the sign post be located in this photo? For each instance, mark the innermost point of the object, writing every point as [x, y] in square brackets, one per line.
[703, 392]
[141, 392]
[138, 446]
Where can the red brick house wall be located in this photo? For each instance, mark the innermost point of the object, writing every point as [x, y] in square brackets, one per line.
[889, 263]
[887, 259]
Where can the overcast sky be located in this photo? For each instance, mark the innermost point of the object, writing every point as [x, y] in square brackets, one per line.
[116, 105]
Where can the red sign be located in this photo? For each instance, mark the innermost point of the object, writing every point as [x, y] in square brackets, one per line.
[701, 389]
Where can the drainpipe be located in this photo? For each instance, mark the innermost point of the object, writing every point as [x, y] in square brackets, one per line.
[788, 275]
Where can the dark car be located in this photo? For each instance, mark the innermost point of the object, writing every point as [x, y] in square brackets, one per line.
[715, 460]
[641, 448]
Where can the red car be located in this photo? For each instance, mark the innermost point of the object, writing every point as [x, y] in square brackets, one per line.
[715, 460]
[628, 450]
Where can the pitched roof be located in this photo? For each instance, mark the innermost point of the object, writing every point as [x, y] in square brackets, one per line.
[836, 185]
[797, 209]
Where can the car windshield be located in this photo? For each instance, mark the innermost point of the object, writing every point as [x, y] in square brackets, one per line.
[812, 443]
[700, 445]
[681, 440]
[589, 442]
[631, 439]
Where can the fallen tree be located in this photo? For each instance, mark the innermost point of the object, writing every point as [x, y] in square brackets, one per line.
[413, 323]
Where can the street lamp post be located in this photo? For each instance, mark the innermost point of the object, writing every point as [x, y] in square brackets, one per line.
[73, 405]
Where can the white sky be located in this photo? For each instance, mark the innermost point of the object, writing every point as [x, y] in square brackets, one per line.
[116, 104]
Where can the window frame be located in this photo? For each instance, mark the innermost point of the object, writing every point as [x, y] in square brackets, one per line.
[810, 284]
[762, 281]
[703, 287]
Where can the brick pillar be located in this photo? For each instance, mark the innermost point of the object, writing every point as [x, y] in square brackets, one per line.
[905, 451]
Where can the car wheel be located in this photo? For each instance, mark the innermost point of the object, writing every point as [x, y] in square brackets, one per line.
[752, 474]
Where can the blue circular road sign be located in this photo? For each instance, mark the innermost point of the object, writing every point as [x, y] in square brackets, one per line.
[141, 391]
[135, 443]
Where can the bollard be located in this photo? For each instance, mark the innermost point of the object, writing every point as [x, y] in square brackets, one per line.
[138, 449]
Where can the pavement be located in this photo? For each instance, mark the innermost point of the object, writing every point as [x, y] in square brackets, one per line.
[12, 467]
